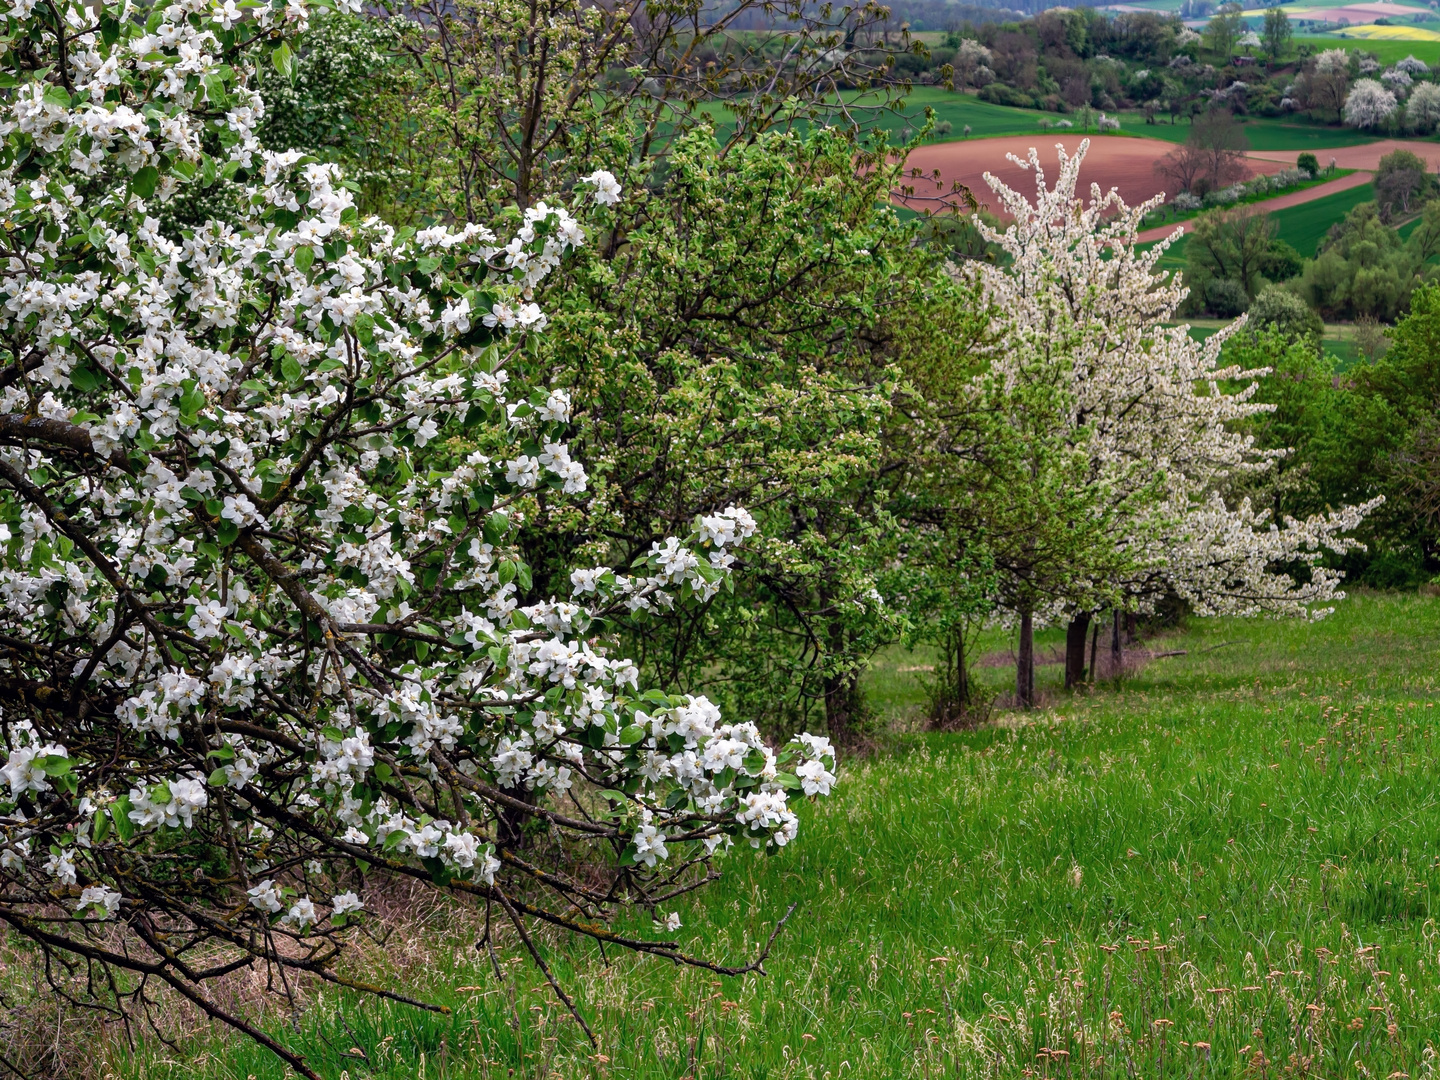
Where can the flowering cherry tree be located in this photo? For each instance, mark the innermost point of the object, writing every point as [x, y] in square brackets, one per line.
[1369, 104]
[263, 625]
[1156, 413]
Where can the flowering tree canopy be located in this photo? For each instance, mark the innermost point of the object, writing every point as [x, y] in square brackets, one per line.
[1422, 111]
[1369, 104]
[1155, 412]
[263, 623]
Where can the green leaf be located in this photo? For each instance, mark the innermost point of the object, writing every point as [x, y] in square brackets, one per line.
[632, 735]
[215, 90]
[120, 815]
[84, 379]
[227, 532]
[192, 401]
[54, 764]
[304, 258]
[284, 61]
[218, 778]
[144, 182]
[355, 514]
[290, 369]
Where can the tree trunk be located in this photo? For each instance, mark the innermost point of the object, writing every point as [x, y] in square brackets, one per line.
[844, 699]
[950, 702]
[1075, 650]
[1025, 664]
[512, 823]
[1094, 644]
[1117, 650]
[840, 709]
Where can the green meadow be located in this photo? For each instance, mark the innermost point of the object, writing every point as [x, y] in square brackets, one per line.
[1262, 133]
[1223, 866]
[1304, 226]
[1386, 51]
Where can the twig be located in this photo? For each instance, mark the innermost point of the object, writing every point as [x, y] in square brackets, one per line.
[1222, 645]
[544, 967]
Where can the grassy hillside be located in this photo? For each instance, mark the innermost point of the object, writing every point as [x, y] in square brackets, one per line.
[985, 120]
[1224, 868]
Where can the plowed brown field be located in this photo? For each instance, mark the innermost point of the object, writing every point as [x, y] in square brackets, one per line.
[1112, 161]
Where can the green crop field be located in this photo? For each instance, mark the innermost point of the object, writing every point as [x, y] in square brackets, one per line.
[1387, 52]
[1222, 868]
[1261, 132]
[985, 120]
[1303, 226]
[988, 120]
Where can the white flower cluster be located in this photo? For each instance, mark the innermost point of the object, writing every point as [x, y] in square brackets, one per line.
[26, 759]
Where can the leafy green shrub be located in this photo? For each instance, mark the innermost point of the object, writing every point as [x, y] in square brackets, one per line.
[1226, 298]
[1285, 312]
[1000, 94]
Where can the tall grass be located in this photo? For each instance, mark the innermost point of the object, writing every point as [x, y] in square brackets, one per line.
[1224, 867]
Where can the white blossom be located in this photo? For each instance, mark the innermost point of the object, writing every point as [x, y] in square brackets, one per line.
[266, 896]
[607, 188]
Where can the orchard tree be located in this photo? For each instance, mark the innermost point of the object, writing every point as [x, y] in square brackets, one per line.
[1369, 104]
[267, 632]
[1223, 31]
[1276, 32]
[1422, 108]
[1323, 87]
[1154, 413]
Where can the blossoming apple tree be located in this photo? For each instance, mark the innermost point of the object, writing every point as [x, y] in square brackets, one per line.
[1154, 414]
[263, 626]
